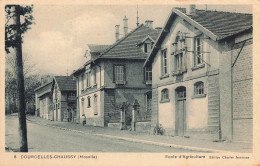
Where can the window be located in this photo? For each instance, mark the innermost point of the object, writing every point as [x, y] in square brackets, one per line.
[198, 88]
[165, 95]
[119, 74]
[164, 62]
[94, 76]
[89, 100]
[88, 83]
[148, 101]
[178, 61]
[198, 51]
[145, 47]
[82, 82]
[95, 105]
[82, 105]
[179, 48]
[148, 74]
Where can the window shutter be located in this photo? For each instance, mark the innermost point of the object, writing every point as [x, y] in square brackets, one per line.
[124, 67]
[202, 49]
[193, 41]
[144, 71]
[184, 63]
[114, 75]
[162, 73]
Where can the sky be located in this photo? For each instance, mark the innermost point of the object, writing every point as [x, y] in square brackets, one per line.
[57, 41]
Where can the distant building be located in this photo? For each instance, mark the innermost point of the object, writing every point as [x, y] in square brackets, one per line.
[115, 78]
[63, 90]
[202, 75]
[43, 101]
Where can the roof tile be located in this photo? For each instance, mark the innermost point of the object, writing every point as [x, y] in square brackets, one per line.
[223, 24]
[66, 83]
[127, 46]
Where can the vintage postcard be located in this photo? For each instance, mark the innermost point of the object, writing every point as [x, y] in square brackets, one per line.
[129, 83]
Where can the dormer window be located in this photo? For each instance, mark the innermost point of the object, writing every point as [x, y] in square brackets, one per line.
[147, 44]
[145, 47]
[148, 47]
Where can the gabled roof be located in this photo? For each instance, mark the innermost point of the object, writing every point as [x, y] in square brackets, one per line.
[95, 48]
[218, 25]
[221, 24]
[65, 83]
[42, 86]
[127, 48]
[147, 37]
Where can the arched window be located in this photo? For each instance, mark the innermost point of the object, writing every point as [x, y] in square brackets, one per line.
[165, 95]
[198, 88]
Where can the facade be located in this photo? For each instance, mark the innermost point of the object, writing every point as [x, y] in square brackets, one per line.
[43, 101]
[202, 75]
[63, 92]
[110, 83]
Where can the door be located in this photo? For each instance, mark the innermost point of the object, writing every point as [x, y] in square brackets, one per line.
[180, 114]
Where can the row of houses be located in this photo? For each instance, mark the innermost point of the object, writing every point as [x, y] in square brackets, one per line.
[193, 77]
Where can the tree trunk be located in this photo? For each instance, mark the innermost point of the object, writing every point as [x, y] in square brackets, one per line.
[20, 83]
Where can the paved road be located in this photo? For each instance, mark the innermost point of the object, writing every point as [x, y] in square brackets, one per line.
[47, 139]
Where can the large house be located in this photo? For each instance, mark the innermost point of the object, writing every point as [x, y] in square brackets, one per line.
[112, 81]
[202, 75]
[63, 92]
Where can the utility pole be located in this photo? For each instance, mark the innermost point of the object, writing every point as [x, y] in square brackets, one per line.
[20, 79]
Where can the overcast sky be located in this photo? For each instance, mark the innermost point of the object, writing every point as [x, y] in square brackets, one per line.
[57, 42]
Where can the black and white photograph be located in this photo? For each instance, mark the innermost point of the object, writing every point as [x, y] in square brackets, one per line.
[174, 80]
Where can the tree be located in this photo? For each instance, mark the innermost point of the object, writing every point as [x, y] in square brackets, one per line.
[13, 39]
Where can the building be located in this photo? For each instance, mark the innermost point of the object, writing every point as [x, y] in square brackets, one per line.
[110, 83]
[43, 101]
[63, 90]
[202, 75]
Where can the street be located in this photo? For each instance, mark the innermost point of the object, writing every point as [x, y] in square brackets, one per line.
[48, 139]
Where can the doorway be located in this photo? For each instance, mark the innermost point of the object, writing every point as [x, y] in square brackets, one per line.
[180, 111]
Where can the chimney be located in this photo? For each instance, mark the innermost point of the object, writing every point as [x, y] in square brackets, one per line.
[117, 32]
[191, 10]
[125, 25]
[149, 23]
[158, 29]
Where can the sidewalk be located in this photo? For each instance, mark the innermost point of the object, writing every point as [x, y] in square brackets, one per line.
[175, 142]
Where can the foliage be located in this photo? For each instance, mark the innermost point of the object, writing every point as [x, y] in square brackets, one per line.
[13, 37]
[31, 82]
[11, 29]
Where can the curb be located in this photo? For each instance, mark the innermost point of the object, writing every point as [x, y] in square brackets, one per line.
[165, 144]
[142, 141]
